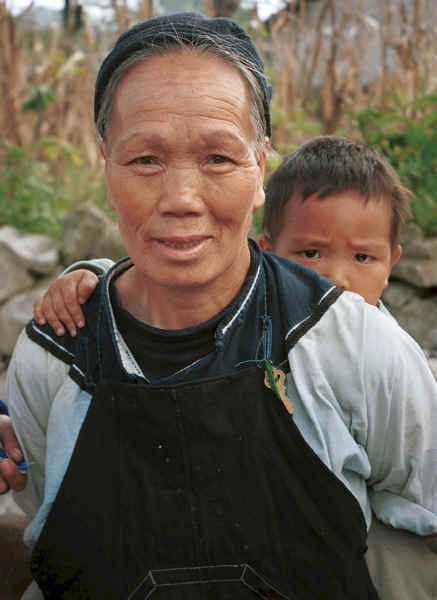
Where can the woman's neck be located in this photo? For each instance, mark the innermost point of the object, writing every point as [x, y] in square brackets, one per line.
[176, 307]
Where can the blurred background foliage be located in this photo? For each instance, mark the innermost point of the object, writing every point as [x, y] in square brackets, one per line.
[362, 68]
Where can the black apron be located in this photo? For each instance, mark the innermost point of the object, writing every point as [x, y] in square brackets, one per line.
[199, 491]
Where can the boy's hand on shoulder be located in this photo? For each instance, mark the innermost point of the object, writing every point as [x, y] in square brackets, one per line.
[60, 306]
[10, 476]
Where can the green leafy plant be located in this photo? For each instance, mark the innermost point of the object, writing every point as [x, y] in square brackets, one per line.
[32, 197]
[40, 98]
[407, 135]
[27, 193]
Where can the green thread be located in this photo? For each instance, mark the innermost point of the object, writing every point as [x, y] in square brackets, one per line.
[271, 378]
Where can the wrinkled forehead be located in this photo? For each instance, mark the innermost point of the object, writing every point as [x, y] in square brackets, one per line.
[187, 65]
[198, 93]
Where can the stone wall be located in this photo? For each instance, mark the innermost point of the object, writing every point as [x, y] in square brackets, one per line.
[28, 263]
[412, 294]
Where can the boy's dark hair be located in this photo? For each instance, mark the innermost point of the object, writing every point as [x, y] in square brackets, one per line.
[329, 165]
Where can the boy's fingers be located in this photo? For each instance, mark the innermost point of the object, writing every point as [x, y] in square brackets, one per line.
[38, 311]
[63, 300]
[87, 285]
[60, 306]
[68, 305]
[44, 312]
[10, 477]
[8, 440]
[50, 313]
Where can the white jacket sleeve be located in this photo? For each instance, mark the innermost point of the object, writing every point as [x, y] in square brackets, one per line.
[401, 430]
[366, 401]
[33, 378]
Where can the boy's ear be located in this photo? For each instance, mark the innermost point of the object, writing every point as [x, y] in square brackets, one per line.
[396, 254]
[264, 243]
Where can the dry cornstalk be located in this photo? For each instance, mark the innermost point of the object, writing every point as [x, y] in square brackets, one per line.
[10, 76]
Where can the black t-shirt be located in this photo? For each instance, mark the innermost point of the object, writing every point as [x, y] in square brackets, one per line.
[161, 352]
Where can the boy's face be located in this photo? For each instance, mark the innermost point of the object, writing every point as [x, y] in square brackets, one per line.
[341, 237]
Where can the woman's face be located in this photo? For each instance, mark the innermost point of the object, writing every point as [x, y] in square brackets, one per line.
[182, 171]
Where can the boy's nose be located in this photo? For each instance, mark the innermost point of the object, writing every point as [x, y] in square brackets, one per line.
[338, 274]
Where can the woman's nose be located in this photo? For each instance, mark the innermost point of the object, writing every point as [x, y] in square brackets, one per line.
[181, 193]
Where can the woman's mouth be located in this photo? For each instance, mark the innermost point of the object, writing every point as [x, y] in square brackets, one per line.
[179, 247]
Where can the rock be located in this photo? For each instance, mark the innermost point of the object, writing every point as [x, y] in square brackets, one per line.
[418, 264]
[83, 231]
[110, 245]
[424, 248]
[418, 317]
[410, 233]
[433, 344]
[416, 246]
[13, 274]
[37, 253]
[398, 294]
[418, 272]
[16, 312]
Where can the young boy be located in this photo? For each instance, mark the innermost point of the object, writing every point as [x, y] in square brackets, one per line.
[335, 206]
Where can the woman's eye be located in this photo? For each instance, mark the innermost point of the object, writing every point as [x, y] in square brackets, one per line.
[143, 160]
[218, 159]
[310, 253]
[363, 258]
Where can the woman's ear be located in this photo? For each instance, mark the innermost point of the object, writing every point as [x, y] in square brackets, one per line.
[102, 148]
[104, 154]
[261, 162]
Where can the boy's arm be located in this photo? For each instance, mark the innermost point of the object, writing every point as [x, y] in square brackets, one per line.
[401, 440]
[368, 406]
[61, 304]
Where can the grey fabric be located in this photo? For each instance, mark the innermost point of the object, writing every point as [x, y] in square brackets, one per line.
[401, 565]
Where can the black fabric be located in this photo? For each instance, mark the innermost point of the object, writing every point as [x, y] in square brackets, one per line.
[293, 297]
[187, 27]
[169, 487]
[160, 353]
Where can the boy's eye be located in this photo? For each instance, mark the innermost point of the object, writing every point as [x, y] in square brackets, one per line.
[363, 258]
[313, 253]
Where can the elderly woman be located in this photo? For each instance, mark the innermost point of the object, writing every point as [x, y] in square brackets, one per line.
[166, 454]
